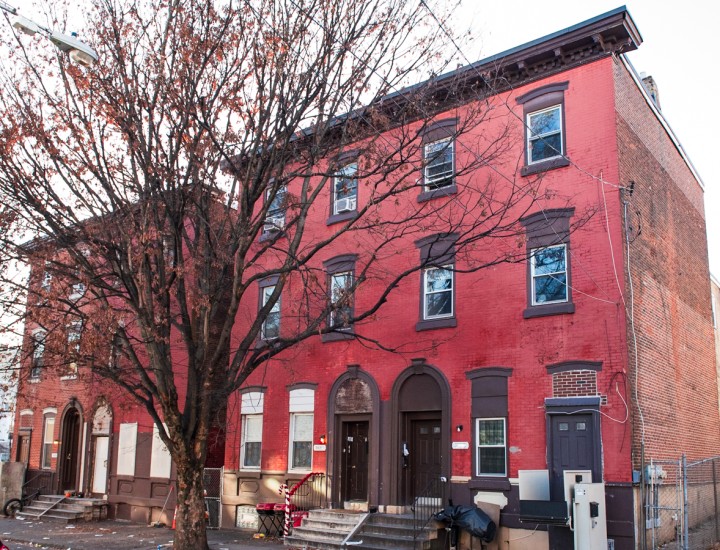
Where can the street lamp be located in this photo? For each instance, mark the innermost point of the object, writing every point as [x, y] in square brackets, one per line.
[79, 51]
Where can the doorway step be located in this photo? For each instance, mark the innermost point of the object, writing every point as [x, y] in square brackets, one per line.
[329, 529]
[65, 509]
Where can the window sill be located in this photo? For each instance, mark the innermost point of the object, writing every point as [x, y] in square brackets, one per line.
[436, 193]
[337, 336]
[549, 309]
[249, 474]
[429, 324]
[69, 377]
[342, 217]
[489, 483]
[544, 165]
[269, 235]
[35, 380]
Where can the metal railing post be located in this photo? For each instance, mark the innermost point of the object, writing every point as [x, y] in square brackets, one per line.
[686, 511]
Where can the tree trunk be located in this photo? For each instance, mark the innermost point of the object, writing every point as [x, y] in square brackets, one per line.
[190, 521]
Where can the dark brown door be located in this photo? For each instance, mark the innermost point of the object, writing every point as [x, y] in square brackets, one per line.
[355, 452]
[68, 459]
[23, 450]
[422, 456]
[574, 445]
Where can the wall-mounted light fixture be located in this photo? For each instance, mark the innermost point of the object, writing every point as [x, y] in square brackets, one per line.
[459, 428]
[322, 439]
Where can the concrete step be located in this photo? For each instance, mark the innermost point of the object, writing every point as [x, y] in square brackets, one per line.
[326, 530]
[67, 510]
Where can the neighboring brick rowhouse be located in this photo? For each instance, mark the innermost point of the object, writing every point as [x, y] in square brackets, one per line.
[715, 287]
[677, 377]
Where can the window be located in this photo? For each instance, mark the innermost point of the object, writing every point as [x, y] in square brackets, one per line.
[252, 423]
[341, 296]
[46, 282]
[438, 159]
[275, 216]
[345, 188]
[491, 452]
[301, 452]
[160, 459]
[271, 325]
[489, 410]
[437, 281]
[549, 289]
[116, 350]
[38, 353]
[549, 275]
[439, 162]
[74, 334]
[302, 406]
[127, 448]
[544, 134]
[545, 139]
[48, 438]
[438, 292]
[78, 289]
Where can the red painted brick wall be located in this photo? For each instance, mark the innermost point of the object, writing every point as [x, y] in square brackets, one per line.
[490, 328]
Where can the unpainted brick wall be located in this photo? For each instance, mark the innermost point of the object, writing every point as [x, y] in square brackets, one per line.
[676, 378]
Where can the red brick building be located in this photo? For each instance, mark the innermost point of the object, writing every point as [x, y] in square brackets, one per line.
[595, 350]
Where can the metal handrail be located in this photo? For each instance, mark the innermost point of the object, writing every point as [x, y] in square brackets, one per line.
[428, 503]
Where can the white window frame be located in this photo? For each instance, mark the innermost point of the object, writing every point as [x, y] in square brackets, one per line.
[346, 173]
[266, 293]
[478, 446]
[534, 276]
[48, 440]
[446, 178]
[252, 406]
[38, 353]
[302, 404]
[426, 293]
[536, 137]
[293, 420]
[46, 283]
[275, 217]
[335, 294]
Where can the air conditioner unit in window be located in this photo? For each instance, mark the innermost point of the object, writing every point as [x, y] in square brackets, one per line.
[345, 205]
[275, 223]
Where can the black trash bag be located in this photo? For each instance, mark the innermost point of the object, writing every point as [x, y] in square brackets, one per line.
[471, 519]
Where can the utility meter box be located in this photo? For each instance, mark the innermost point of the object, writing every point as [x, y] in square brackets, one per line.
[589, 519]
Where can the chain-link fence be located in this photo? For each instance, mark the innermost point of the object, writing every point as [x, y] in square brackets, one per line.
[212, 481]
[682, 504]
[702, 517]
[664, 504]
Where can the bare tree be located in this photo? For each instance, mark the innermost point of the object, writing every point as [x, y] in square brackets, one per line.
[153, 191]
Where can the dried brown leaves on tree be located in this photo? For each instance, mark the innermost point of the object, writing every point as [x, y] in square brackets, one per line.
[140, 190]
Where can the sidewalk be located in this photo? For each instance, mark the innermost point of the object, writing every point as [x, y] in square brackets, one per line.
[119, 535]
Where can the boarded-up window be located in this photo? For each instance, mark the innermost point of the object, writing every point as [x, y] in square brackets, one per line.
[160, 461]
[127, 447]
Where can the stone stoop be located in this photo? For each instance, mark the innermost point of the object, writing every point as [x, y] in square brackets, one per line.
[326, 530]
[65, 510]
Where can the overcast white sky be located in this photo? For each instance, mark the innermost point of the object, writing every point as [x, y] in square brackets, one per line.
[680, 50]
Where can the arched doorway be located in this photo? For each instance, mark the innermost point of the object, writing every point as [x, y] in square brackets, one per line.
[69, 455]
[353, 429]
[421, 428]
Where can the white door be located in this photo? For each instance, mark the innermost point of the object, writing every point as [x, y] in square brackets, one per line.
[100, 466]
